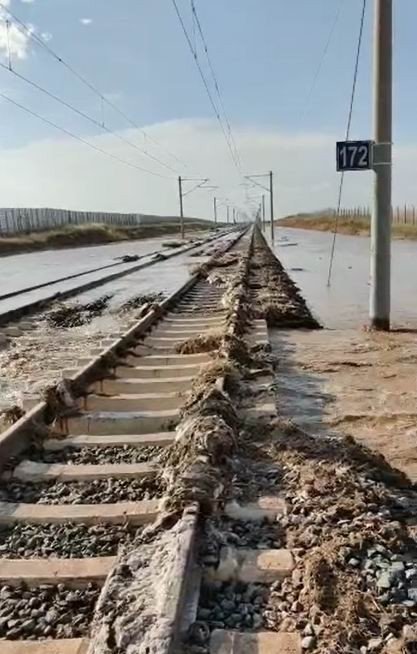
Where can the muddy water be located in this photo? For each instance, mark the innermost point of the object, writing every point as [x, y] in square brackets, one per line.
[165, 277]
[25, 369]
[344, 380]
[25, 270]
[22, 270]
[305, 254]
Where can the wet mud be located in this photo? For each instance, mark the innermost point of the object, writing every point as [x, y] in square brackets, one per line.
[357, 383]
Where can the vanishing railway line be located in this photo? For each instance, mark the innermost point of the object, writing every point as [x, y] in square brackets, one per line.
[153, 503]
[102, 456]
[32, 299]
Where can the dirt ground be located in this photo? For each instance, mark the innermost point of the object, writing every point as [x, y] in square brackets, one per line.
[352, 382]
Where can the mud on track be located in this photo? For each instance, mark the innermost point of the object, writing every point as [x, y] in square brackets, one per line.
[40, 348]
[340, 537]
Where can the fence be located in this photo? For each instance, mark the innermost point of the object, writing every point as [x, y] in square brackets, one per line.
[404, 215]
[25, 221]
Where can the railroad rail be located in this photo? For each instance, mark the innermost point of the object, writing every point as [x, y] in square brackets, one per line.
[40, 304]
[140, 506]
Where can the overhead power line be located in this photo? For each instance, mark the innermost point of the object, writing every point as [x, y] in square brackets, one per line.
[322, 58]
[36, 39]
[79, 138]
[206, 86]
[215, 81]
[92, 120]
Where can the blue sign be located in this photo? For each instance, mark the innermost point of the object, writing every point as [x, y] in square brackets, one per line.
[354, 155]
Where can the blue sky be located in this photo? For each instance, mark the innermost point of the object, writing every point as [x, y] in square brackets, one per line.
[266, 54]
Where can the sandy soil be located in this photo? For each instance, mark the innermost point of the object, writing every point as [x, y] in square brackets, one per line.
[352, 226]
[352, 382]
[72, 236]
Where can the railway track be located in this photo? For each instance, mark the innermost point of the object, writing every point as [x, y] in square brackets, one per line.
[103, 453]
[156, 504]
[8, 314]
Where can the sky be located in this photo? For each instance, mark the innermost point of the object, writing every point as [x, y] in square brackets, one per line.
[284, 69]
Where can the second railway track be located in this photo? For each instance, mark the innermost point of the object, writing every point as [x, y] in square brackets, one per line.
[27, 305]
[151, 505]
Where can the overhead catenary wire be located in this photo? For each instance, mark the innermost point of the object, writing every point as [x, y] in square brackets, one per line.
[215, 81]
[348, 127]
[206, 85]
[39, 41]
[100, 125]
[322, 58]
[79, 138]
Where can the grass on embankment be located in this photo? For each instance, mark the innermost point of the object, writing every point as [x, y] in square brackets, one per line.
[350, 226]
[83, 235]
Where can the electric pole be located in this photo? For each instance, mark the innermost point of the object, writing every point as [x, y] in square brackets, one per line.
[215, 209]
[228, 214]
[181, 206]
[271, 191]
[381, 216]
[201, 184]
[263, 213]
[234, 216]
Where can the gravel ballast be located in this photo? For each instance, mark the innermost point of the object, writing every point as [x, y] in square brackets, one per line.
[228, 605]
[223, 531]
[46, 612]
[95, 455]
[100, 491]
[64, 540]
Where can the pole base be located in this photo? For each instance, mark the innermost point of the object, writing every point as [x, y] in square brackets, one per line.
[379, 324]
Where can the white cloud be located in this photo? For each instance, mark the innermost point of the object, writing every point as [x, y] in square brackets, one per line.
[62, 173]
[27, 2]
[12, 39]
[86, 21]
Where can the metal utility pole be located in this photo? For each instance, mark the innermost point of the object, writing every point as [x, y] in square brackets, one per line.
[215, 209]
[263, 213]
[271, 191]
[234, 216]
[201, 183]
[228, 214]
[181, 206]
[380, 299]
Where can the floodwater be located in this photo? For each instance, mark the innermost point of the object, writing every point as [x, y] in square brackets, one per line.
[305, 254]
[22, 270]
[23, 368]
[25, 270]
[344, 380]
[164, 276]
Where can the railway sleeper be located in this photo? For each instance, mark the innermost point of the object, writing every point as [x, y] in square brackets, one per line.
[138, 425]
[32, 471]
[140, 386]
[163, 439]
[136, 513]
[118, 422]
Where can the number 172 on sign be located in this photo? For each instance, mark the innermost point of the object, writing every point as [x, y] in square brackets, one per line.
[354, 155]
